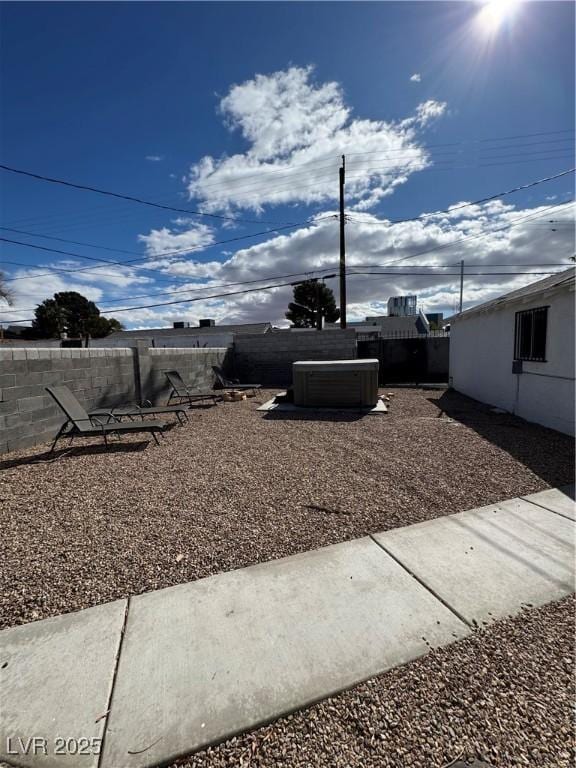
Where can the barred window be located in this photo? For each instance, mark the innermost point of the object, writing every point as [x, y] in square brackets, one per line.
[530, 334]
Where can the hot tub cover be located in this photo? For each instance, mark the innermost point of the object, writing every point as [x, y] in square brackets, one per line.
[319, 366]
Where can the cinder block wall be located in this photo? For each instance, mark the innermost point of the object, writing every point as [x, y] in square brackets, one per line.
[29, 416]
[267, 359]
[98, 378]
[193, 364]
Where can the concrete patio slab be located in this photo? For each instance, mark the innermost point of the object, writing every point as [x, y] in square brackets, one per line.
[559, 500]
[273, 405]
[489, 562]
[55, 683]
[206, 660]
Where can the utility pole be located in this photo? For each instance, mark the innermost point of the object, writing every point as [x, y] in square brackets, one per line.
[342, 175]
[461, 283]
[318, 307]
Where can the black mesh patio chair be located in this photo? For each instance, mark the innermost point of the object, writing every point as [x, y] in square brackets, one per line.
[184, 394]
[80, 424]
[132, 412]
[226, 383]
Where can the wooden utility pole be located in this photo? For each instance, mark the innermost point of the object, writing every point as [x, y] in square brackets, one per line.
[318, 307]
[461, 283]
[342, 247]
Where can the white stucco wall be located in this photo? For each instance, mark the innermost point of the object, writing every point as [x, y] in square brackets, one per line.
[482, 351]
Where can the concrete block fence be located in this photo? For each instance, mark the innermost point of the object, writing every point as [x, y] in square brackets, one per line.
[193, 364]
[102, 377]
[267, 358]
[98, 378]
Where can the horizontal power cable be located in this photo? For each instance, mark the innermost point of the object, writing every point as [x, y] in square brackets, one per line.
[131, 198]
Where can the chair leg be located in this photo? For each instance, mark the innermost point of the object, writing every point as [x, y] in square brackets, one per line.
[155, 436]
[58, 436]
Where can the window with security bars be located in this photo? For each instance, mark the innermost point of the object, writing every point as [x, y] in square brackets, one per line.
[530, 334]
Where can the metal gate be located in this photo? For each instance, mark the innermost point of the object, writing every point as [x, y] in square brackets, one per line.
[404, 360]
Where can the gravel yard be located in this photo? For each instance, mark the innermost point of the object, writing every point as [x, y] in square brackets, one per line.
[235, 487]
[503, 696]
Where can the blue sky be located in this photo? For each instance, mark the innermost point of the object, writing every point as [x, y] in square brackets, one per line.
[243, 110]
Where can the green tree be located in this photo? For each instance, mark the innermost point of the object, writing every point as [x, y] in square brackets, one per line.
[5, 292]
[71, 312]
[303, 311]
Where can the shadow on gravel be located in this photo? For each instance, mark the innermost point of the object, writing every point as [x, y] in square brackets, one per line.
[547, 453]
[314, 415]
[76, 451]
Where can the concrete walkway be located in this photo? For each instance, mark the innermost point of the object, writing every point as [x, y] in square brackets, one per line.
[169, 672]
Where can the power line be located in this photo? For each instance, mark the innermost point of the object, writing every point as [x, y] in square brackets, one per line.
[76, 219]
[456, 274]
[277, 285]
[452, 265]
[482, 200]
[456, 155]
[130, 262]
[390, 264]
[474, 141]
[288, 185]
[202, 288]
[460, 163]
[264, 173]
[328, 269]
[130, 198]
[470, 237]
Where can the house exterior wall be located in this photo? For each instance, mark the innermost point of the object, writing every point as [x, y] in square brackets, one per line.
[482, 351]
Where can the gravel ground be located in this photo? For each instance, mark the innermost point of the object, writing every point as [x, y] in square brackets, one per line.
[503, 696]
[235, 487]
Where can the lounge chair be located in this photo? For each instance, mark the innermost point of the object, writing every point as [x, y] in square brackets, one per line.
[183, 393]
[226, 383]
[133, 411]
[80, 424]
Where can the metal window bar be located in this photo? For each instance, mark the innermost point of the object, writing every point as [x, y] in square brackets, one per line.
[530, 332]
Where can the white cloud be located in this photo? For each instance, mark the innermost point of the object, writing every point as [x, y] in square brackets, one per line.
[376, 241]
[371, 241]
[429, 110]
[95, 284]
[297, 130]
[416, 78]
[162, 241]
[154, 158]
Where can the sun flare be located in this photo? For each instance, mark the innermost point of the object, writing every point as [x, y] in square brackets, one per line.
[494, 13]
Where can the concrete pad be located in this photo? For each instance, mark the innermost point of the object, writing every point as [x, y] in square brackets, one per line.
[207, 660]
[272, 405]
[55, 683]
[559, 500]
[487, 563]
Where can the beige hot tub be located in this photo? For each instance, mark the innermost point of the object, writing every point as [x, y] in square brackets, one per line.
[335, 383]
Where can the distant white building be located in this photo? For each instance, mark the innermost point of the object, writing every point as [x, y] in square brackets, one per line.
[182, 334]
[402, 306]
[517, 352]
